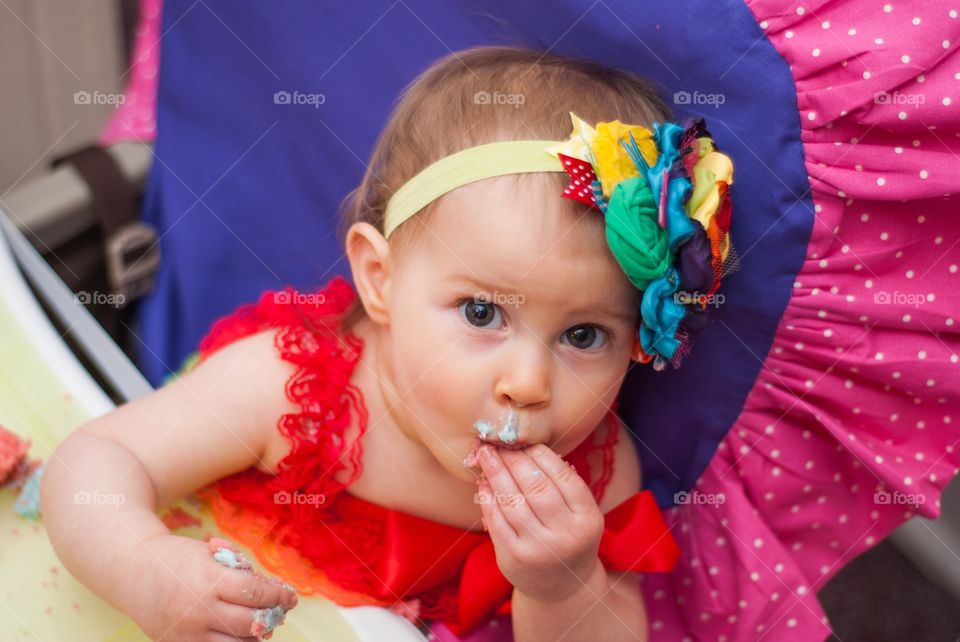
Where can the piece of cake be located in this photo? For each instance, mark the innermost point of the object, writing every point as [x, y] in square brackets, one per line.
[266, 620]
[13, 457]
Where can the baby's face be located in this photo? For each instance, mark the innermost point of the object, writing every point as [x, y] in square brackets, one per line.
[509, 301]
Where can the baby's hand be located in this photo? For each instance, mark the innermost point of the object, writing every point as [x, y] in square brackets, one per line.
[181, 593]
[543, 520]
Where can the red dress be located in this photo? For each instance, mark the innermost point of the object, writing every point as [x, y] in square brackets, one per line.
[305, 527]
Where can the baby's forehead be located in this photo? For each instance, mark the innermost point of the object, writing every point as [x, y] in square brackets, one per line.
[499, 237]
[520, 215]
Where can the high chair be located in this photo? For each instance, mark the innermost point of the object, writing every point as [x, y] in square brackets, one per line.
[46, 391]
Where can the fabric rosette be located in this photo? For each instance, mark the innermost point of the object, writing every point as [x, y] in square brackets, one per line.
[665, 197]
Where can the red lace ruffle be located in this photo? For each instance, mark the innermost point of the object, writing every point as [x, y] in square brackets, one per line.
[299, 523]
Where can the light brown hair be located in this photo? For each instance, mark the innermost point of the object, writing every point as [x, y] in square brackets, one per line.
[483, 95]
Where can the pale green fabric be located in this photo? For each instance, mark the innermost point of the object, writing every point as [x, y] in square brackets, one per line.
[468, 166]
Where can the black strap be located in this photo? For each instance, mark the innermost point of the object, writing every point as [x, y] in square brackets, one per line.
[131, 249]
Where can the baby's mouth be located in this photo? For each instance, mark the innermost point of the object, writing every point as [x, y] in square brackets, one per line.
[507, 437]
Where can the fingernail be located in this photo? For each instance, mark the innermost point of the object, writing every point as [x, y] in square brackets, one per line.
[487, 453]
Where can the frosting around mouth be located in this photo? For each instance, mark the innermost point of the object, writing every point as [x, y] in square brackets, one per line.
[483, 428]
[508, 434]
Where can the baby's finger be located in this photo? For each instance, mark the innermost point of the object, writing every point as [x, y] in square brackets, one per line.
[254, 591]
[499, 528]
[217, 636]
[233, 620]
[506, 495]
[571, 485]
[537, 487]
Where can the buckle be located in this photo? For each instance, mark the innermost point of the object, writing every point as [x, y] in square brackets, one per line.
[133, 257]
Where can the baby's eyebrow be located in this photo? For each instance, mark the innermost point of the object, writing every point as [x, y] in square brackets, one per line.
[474, 280]
[585, 310]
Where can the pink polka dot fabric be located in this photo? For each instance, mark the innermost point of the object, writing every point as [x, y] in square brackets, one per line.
[851, 427]
[135, 119]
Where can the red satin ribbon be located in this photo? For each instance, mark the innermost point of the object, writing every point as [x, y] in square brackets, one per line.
[420, 555]
[635, 538]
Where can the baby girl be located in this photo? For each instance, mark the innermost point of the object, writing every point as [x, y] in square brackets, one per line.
[441, 436]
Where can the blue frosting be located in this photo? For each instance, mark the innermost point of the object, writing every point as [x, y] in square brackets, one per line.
[28, 503]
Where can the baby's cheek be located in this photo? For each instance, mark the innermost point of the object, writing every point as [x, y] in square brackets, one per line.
[441, 401]
[444, 384]
[572, 438]
[435, 376]
[578, 418]
[415, 348]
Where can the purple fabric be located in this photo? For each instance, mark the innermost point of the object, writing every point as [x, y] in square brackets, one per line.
[696, 271]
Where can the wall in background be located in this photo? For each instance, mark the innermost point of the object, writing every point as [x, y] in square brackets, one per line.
[62, 67]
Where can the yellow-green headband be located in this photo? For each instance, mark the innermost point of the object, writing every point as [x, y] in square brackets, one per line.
[663, 193]
[468, 166]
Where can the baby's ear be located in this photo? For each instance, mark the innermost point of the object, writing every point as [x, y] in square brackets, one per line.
[369, 256]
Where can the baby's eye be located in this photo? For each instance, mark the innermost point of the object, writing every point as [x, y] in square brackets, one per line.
[481, 314]
[585, 337]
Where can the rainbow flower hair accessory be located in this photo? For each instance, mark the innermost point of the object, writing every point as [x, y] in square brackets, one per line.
[664, 195]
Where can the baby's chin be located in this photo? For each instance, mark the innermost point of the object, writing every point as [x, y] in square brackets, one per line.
[466, 469]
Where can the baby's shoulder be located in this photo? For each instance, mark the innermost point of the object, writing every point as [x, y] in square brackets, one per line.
[268, 374]
[292, 339]
[254, 355]
[305, 372]
[272, 373]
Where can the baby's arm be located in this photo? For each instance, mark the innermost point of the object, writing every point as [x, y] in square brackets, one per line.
[102, 485]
